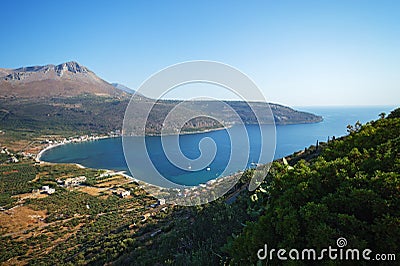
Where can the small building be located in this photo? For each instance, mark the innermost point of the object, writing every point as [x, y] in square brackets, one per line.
[48, 190]
[124, 194]
[161, 201]
[76, 181]
[211, 182]
[106, 174]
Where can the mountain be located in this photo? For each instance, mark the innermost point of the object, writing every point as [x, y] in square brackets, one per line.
[123, 88]
[70, 97]
[63, 80]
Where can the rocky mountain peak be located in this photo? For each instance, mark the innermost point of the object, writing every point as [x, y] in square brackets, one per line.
[65, 79]
[71, 66]
[59, 70]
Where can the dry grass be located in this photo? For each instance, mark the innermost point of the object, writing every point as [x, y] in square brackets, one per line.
[113, 181]
[20, 218]
[93, 191]
[11, 142]
[24, 196]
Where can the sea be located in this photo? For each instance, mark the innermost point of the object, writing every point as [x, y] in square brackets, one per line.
[109, 153]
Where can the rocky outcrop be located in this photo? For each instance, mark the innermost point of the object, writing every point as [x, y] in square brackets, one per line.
[66, 79]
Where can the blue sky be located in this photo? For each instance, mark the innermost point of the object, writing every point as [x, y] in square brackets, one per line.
[298, 52]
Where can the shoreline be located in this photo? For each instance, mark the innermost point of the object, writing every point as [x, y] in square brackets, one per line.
[110, 172]
[227, 127]
[51, 146]
[124, 172]
[38, 156]
[182, 133]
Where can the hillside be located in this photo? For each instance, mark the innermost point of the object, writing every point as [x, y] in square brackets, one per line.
[70, 97]
[347, 188]
[351, 190]
[63, 80]
[123, 88]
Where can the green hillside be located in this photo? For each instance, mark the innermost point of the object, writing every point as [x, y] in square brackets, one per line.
[351, 190]
[89, 113]
[349, 187]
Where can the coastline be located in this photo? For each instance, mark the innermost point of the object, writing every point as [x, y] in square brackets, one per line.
[38, 156]
[124, 173]
[203, 131]
[110, 172]
[51, 146]
[189, 194]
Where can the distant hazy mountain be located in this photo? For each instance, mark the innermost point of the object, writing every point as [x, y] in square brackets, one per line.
[70, 97]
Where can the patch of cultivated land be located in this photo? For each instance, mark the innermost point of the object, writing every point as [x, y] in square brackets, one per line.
[113, 181]
[20, 218]
[73, 220]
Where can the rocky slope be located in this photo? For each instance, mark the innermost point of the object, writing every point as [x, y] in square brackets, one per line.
[63, 80]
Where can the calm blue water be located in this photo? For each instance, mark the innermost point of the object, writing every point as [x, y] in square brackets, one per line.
[108, 153]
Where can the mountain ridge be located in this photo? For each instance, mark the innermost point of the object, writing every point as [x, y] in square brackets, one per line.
[69, 96]
[18, 73]
[65, 79]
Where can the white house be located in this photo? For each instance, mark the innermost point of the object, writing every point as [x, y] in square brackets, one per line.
[74, 181]
[125, 194]
[161, 201]
[48, 190]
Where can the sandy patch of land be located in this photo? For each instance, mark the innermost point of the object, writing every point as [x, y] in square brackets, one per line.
[94, 191]
[30, 196]
[20, 218]
[113, 181]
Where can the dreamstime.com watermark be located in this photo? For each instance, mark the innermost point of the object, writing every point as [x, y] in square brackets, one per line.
[329, 253]
[150, 114]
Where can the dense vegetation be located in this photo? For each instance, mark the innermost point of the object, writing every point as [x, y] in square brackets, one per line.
[348, 187]
[78, 227]
[88, 113]
[14, 180]
[351, 190]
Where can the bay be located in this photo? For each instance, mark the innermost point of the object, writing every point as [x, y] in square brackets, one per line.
[108, 153]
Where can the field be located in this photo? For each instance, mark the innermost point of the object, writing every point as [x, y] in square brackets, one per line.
[35, 224]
